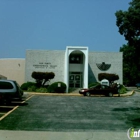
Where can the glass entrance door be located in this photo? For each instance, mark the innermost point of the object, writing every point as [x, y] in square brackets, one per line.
[75, 80]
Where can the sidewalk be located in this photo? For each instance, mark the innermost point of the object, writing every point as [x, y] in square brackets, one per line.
[45, 135]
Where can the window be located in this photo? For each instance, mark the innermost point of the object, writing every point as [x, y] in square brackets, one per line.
[76, 58]
[6, 85]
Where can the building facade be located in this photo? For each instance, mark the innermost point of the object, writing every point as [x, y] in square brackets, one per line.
[13, 69]
[75, 66]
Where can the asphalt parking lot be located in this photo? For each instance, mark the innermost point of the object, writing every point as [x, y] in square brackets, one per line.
[6, 109]
[75, 114]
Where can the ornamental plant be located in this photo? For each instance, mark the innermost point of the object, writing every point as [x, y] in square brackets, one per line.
[109, 76]
[42, 77]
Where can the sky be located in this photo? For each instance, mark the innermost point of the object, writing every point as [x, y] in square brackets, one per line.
[55, 24]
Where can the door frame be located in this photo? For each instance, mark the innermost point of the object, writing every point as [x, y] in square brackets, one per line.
[75, 82]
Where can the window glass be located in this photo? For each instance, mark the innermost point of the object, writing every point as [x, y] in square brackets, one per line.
[6, 85]
[76, 59]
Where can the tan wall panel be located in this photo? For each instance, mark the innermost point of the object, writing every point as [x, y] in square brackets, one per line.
[13, 69]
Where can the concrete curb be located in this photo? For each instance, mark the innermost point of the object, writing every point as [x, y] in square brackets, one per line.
[54, 94]
[130, 93]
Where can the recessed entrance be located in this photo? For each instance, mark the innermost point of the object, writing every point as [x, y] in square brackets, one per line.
[76, 70]
[75, 80]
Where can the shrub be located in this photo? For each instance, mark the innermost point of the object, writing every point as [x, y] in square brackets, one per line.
[27, 85]
[42, 90]
[32, 88]
[109, 76]
[42, 77]
[57, 87]
[93, 84]
[122, 89]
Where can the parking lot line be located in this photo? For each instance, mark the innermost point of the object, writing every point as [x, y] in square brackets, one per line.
[8, 113]
[14, 108]
[27, 99]
[7, 106]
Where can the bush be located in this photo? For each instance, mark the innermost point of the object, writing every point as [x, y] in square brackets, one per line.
[42, 90]
[109, 76]
[93, 84]
[42, 77]
[122, 89]
[27, 85]
[32, 88]
[57, 87]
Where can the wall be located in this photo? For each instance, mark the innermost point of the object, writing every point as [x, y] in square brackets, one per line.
[75, 67]
[13, 69]
[113, 58]
[45, 61]
[53, 61]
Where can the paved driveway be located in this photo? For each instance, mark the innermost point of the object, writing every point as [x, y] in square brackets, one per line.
[68, 113]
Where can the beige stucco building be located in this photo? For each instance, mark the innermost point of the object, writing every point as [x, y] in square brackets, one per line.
[13, 69]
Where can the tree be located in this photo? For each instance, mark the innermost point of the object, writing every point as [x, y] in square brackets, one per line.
[128, 23]
[109, 76]
[130, 65]
[42, 77]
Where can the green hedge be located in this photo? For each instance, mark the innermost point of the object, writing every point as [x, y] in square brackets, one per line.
[27, 85]
[57, 87]
[122, 89]
[42, 90]
[32, 88]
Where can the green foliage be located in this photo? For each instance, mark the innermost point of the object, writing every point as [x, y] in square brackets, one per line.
[32, 88]
[57, 87]
[109, 76]
[93, 84]
[128, 65]
[128, 23]
[42, 90]
[131, 65]
[27, 85]
[122, 89]
[42, 77]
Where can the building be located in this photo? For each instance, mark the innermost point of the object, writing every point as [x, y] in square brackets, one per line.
[75, 66]
[13, 69]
